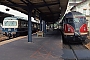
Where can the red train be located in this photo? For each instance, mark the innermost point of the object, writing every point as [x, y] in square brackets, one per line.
[74, 27]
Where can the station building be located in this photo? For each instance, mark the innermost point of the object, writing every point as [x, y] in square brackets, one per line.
[72, 3]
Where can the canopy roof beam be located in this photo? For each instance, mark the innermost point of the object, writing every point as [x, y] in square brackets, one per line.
[49, 8]
[29, 3]
[59, 2]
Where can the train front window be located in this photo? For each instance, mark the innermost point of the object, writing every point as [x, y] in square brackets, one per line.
[79, 19]
[10, 23]
[82, 19]
[76, 20]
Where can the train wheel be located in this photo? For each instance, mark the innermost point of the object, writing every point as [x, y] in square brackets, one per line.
[17, 35]
[9, 37]
[14, 35]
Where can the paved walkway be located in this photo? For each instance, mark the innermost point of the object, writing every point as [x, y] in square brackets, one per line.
[48, 47]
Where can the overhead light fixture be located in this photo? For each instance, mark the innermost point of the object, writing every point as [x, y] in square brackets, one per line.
[7, 9]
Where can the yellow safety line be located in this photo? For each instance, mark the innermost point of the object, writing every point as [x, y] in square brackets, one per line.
[11, 40]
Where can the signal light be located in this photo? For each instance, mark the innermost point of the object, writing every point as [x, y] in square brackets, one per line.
[7, 9]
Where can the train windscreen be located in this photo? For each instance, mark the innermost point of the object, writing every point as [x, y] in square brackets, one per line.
[79, 19]
[76, 20]
[10, 23]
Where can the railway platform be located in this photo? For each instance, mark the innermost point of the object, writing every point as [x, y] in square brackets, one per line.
[49, 47]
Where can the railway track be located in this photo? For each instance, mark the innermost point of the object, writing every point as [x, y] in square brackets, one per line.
[73, 51]
[76, 49]
[76, 46]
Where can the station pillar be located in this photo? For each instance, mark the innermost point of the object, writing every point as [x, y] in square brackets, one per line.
[44, 26]
[40, 24]
[29, 25]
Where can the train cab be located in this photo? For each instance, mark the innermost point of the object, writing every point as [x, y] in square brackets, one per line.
[74, 27]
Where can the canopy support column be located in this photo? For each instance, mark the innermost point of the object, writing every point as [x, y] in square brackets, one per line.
[40, 23]
[44, 26]
[29, 25]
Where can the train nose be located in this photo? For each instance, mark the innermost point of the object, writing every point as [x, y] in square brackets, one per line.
[77, 34]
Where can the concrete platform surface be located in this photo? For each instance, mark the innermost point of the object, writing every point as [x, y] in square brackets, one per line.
[48, 47]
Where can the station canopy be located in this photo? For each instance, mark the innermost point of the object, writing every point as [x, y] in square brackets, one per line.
[50, 10]
[2, 15]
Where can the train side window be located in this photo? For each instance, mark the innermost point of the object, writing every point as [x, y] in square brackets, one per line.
[14, 23]
[5, 23]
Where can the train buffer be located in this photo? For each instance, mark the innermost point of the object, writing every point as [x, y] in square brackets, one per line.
[40, 34]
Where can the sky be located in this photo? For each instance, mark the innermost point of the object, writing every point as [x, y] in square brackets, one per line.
[14, 12]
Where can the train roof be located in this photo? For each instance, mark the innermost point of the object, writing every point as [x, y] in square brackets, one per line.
[18, 18]
[11, 18]
[73, 13]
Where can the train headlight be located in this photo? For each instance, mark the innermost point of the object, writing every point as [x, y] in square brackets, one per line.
[84, 29]
[68, 29]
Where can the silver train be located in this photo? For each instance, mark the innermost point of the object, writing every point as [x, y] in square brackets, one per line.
[13, 26]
